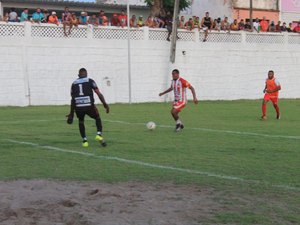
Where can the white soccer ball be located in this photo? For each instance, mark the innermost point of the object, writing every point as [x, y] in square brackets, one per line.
[151, 125]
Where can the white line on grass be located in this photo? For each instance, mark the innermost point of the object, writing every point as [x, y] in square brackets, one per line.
[156, 166]
[167, 126]
[213, 130]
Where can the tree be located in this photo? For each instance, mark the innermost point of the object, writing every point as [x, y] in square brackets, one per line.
[160, 7]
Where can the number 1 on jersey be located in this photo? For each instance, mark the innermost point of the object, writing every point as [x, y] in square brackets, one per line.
[80, 90]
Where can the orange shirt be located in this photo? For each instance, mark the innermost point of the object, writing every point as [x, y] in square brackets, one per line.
[53, 19]
[272, 85]
[264, 25]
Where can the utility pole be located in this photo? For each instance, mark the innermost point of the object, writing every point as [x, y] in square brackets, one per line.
[251, 13]
[174, 31]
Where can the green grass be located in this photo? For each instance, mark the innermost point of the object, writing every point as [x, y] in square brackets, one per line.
[263, 155]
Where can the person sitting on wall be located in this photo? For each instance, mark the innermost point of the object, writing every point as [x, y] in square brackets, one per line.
[297, 28]
[264, 25]
[217, 24]
[289, 28]
[66, 19]
[206, 24]
[103, 21]
[272, 27]
[115, 20]
[189, 25]
[283, 28]
[133, 21]
[140, 22]
[83, 18]
[24, 15]
[123, 19]
[53, 19]
[248, 26]
[38, 16]
[278, 27]
[182, 23]
[150, 22]
[46, 16]
[159, 22]
[12, 16]
[256, 25]
[241, 25]
[234, 26]
[93, 20]
[225, 26]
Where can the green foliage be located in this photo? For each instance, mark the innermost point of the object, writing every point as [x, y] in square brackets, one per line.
[168, 5]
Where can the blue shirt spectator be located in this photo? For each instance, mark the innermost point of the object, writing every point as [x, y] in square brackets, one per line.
[38, 16]
[24, 15]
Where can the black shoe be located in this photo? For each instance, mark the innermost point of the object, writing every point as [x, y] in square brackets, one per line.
[168, 39]
[181, 126]
[178, 127]
[103, 143]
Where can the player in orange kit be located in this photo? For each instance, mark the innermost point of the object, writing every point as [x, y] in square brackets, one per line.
[179, 86]
[271, 91]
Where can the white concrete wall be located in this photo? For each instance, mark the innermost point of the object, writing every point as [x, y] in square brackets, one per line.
[39, 71]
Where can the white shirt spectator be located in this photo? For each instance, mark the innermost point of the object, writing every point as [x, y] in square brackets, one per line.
[13, 16]
[256, 25]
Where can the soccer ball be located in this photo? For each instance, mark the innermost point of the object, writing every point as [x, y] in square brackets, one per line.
[151, 125]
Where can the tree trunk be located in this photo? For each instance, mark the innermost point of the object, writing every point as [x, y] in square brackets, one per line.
[157, 8]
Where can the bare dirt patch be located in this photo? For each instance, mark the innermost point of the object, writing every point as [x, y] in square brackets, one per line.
[47, 202]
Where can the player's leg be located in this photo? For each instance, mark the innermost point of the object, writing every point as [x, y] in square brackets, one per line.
[275, 104]
[94, 113]
[80, 116]
[264, 107]
[177, 106]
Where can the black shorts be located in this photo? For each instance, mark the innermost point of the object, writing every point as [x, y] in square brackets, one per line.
[91, 111]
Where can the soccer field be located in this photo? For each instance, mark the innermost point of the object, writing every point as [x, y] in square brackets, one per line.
[252, 166]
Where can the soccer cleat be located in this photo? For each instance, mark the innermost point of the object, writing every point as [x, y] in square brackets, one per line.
[98, 137]
[263, 118]
[85, 144]
[278, 117]
[179, 127]
[103, 143]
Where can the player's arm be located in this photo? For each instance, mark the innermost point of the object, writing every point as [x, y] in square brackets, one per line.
[194, 94]
[166, 91]
[101, 97]
[70, 116]
[265, 90]
[278, 88]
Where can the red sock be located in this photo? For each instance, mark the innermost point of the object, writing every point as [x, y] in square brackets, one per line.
[264, 109]
[277, 109]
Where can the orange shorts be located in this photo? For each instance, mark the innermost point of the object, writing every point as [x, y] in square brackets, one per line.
[179, 105]
[272, 98]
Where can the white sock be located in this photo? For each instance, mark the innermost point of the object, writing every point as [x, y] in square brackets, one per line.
[99, 133]
[178, 121]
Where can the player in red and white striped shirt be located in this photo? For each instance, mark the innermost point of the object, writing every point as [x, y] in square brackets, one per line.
[179, 86]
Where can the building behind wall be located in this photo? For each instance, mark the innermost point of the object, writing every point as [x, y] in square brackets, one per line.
[265, 8]
[290, 11]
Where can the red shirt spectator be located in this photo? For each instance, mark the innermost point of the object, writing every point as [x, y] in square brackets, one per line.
[115, 21]
[264, 25]
[297, 28]
[123, 19]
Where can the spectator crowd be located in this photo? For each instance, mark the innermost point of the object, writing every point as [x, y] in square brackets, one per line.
[70, 19]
